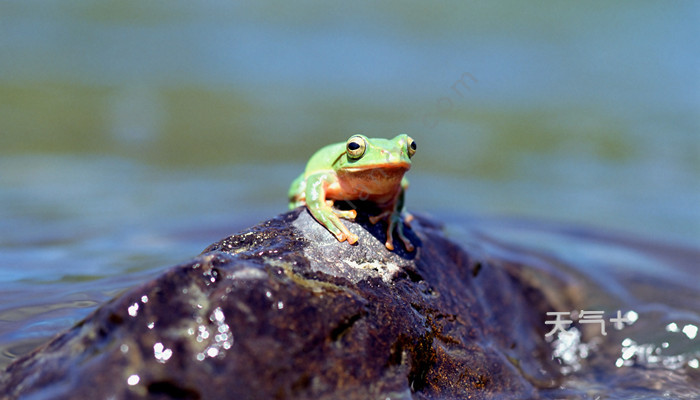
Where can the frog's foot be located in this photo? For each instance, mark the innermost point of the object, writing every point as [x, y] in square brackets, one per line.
[394, 221]
[380, 217]
[328, 217]
[347, 214]
[399, 229]
[338, 228]
[349, 236]
[345, 233]
[340, 231]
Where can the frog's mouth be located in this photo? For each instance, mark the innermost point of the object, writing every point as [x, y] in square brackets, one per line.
[379, 171]
[374, 179]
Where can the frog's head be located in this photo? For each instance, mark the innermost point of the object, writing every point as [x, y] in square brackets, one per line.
[379, 163]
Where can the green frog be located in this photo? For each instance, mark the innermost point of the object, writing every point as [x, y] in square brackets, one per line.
[359, 169]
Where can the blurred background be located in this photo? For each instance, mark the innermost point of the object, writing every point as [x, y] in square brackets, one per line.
[135, 133]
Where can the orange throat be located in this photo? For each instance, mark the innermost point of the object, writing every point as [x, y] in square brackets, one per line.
[380, 183]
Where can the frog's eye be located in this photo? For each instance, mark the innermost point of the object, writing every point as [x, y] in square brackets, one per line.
[411, 147]
[356, 147]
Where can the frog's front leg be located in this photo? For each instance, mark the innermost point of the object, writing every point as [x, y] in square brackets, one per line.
[393, 217]
[323, 210]
[394, 222]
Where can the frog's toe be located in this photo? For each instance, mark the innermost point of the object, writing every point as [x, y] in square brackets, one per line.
[407, 219]
[406, 242]
[342, 232]
[347, 235]
[389, 238]
[379, 217]
[352, 238]
[340, 236]
[347, 214]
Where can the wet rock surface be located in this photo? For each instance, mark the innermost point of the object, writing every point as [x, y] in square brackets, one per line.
[284, 311]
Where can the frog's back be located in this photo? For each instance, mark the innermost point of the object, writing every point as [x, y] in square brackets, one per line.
[324, 158]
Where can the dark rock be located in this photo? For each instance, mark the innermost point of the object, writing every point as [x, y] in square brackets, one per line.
[285, 311]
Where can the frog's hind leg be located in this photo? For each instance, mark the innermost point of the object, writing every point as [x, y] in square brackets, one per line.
[297, 193]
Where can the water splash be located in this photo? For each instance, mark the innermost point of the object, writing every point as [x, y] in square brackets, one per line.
[219, 340]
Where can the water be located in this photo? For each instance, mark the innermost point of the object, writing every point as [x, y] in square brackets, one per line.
[77, 232]
[133, 134]
[635, 334]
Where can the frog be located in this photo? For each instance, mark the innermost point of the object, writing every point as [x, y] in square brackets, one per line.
[364, 169]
